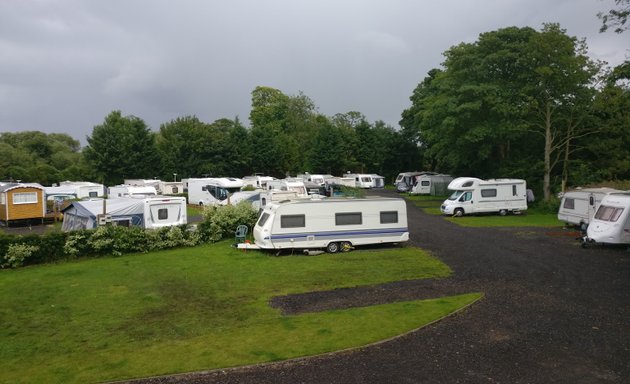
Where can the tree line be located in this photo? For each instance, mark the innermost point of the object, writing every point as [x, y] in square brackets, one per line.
[515, 103]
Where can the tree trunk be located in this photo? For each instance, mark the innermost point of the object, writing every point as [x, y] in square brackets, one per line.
[548, 145]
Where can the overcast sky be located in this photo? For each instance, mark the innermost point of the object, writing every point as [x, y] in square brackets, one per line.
[66, 64]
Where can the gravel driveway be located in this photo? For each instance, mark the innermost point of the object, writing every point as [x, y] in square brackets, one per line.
[552, 313]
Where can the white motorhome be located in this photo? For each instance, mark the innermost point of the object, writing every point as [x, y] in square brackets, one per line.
[431, 184]
[212, 190]
[124, 190]
[361, 180]
[472, 195]
[611, 223]
[334, 224]
[578, 207]
[256, 181]
[148, 213]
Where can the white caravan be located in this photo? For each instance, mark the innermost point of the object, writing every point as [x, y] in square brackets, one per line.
[84, 189]
[317, 179]
[405, 180]
[256, 181]
[431, 184]
[578, 207]
[289, 184]
[361, 180]
[334, 224]
[147, 213]
[124, 190]
[212, 190]
[378, 181]
[611, 223]
[472, 195]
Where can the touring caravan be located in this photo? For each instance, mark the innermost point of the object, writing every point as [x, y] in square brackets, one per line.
[125, 190]
[84, 189]
[289, 184]
[472, 195]
[334, 224]
[611, 223]
[361, 180]
[578, 207]
[147, 213]
[378, 181]
[212, 190]
[256, 181]
[431, 184]
[406, 180]
[316, 179]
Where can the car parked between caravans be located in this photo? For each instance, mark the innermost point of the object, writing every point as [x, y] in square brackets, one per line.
[578, 207]
[333, 224]
[471, 195]
[611, 223]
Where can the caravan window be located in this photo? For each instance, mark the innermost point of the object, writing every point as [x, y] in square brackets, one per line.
[514, 190]
[93, 194]
[349, 218]
[174, 190]
[568, 203]
[489, 193]
[425, 183]
[606, 213]
[292, 221]
[263, 219]
[24, 197]
[388, 217]
[162, 214]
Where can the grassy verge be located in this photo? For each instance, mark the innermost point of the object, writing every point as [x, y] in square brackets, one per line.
[195, 309]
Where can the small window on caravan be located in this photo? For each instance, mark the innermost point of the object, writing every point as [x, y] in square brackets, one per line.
[174, 190]
[425, 183]
[162, 214]
[93, 194]
[349, 218]
[569, 203]
[263, 219]
[292, 221]
[388, 217]
[514, 190]
[489, 193]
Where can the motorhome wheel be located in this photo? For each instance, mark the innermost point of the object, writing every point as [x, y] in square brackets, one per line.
[332, 247]
[503, 212]
[458, 212]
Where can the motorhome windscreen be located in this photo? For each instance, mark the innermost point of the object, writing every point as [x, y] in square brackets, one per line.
[606, 213]
[455, 195]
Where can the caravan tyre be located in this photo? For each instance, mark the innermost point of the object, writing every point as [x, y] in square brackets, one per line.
[503, 212]
[332, 247]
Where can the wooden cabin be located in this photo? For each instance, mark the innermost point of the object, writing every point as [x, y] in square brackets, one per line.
[22, 202]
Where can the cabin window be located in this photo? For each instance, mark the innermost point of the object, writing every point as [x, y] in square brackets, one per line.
[263, 219]
[162, 214]
[425, 183]
[93, 194]
[292, 221]
[389, 217]
[467, 196]
[25, 197]
[349, 218]
[2, 199]
[568, 203]
[514, 191]
[606, 213]
[489, 192]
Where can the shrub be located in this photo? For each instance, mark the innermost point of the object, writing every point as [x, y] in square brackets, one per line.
[220, 222]
[17, 253]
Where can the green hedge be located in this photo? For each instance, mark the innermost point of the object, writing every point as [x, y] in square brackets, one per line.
[219, 223]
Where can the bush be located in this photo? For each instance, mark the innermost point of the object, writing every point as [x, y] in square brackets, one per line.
[550, 206]
[17, 253]
[220, 222]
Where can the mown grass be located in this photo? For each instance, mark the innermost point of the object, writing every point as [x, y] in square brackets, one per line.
[195, 309]
[530, 218]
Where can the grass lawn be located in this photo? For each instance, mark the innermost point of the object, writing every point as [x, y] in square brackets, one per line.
[195, 309]
[529, 218]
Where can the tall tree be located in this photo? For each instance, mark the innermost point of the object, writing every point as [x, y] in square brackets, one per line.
[122, 147]
[616, 18]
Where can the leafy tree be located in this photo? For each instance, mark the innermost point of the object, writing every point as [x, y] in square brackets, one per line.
[616, 18]
[122, 147]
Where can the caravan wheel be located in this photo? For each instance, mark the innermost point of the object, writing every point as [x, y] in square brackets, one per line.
[332, 247]
[503, 212]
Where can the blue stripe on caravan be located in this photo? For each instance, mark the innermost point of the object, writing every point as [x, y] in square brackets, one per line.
[340, 233]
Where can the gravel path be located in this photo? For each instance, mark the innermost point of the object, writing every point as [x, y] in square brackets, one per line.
[552, 313]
